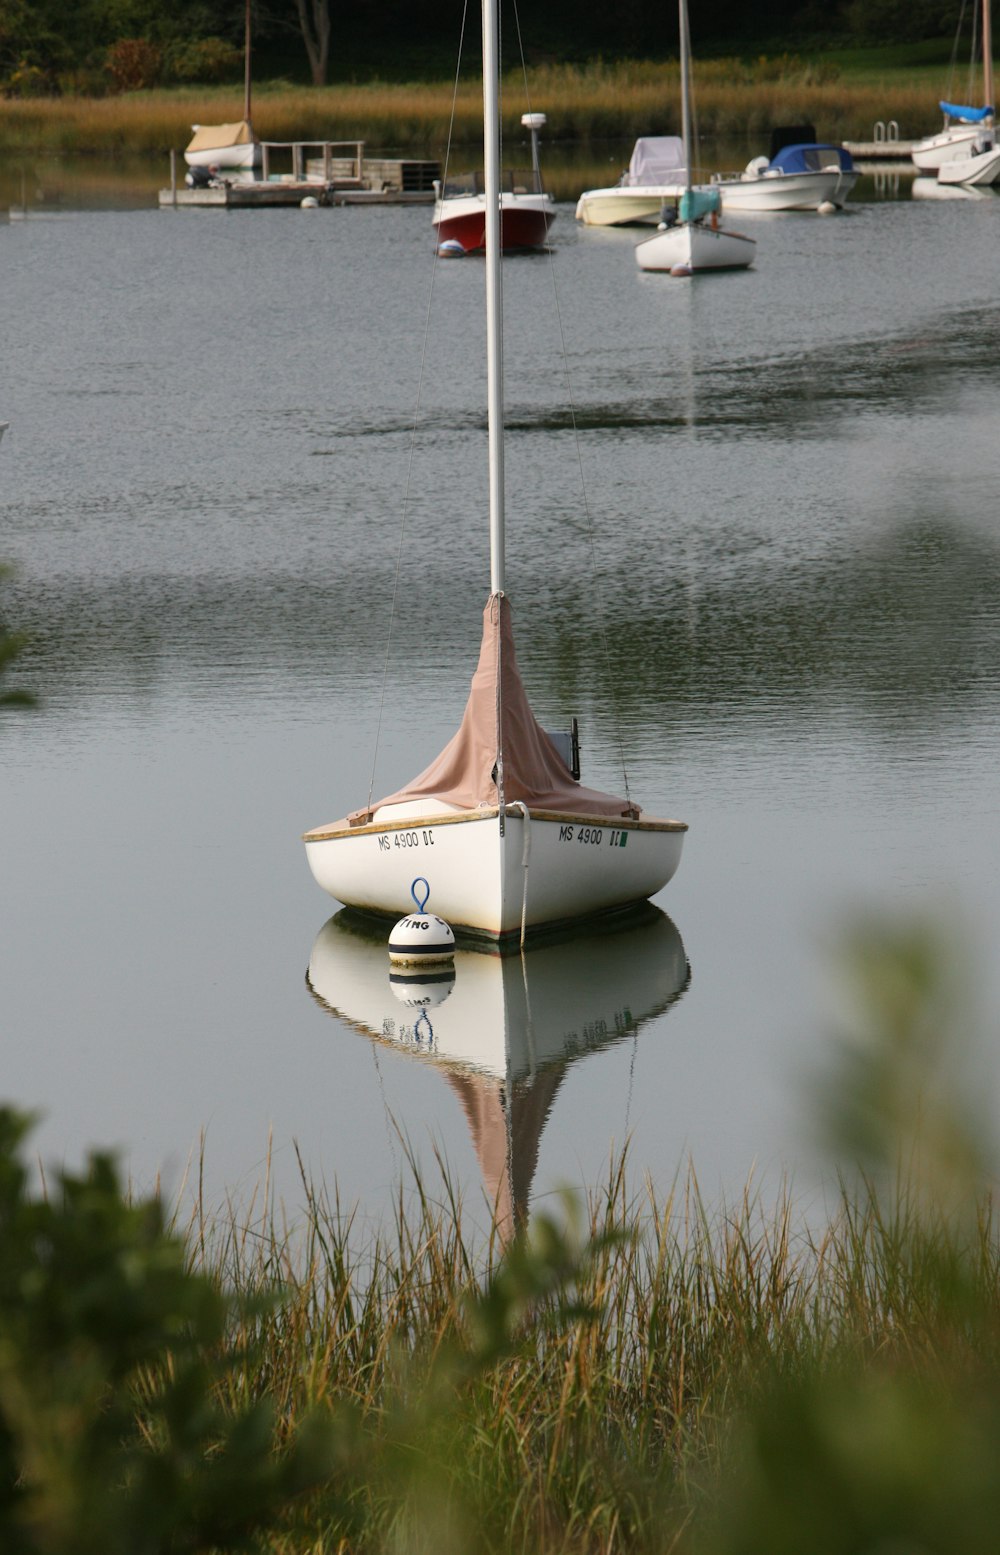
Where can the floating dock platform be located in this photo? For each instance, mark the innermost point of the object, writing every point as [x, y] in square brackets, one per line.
[288, 175]
[884, 146]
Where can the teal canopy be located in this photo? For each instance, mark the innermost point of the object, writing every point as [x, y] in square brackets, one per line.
[697, 203]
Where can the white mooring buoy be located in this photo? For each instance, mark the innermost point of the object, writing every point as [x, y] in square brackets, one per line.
[421, 938]
[451, 248]
[310, 203]
[422, 987]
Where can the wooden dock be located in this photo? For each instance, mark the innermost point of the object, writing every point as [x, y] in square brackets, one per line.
[329, 172]
[884, 146]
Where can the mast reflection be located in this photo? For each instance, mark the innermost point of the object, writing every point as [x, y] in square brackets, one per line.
[504, 1029]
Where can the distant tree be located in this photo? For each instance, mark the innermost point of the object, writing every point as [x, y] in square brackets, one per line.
[314, 24]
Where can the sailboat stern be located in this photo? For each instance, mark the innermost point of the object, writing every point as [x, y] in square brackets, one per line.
[491, 875]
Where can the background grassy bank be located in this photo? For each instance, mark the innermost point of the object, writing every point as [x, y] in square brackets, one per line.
[593, 102]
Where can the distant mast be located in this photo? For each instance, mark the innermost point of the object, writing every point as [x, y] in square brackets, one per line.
[987, 56]
[246, 65]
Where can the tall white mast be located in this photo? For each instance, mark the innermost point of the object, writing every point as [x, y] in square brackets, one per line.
[494, 290]
[685, 42]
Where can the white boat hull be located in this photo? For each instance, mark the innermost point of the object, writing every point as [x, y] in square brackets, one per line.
[786, 191]
[545, 870]
[692, 247]
[978, 170]
[626, 207]
[930, 154]
[224, 157]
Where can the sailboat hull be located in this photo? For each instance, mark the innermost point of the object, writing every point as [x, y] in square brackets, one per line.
[539, 869]
[978, 170]
[695, 246]
[935, 150]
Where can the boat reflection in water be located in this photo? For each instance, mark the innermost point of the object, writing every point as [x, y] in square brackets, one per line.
[504, 1030]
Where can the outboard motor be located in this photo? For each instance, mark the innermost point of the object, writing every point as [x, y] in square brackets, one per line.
[198, 178]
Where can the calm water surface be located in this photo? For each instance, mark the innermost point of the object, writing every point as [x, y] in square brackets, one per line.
[776, 493]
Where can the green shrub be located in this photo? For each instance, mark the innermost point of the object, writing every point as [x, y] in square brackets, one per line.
[134, 64]
[209, 60]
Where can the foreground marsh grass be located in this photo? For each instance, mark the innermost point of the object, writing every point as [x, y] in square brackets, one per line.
[582, 103]
[636, 1372]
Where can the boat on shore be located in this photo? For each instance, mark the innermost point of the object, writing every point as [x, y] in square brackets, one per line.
[227, 146]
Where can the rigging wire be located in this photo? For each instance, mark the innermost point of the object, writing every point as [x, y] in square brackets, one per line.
[413, 428]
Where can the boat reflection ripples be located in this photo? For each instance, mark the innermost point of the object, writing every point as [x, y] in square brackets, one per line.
[504, 1030]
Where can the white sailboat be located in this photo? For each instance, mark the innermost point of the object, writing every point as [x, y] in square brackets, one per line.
[503, 1030]
[227, 146]
[498, 825]
[967, 132]
[977, 163]
[697, 239]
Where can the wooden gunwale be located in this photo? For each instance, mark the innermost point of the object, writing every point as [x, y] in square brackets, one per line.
[564, 817]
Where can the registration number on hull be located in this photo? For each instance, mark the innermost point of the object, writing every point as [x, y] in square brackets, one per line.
[594, 836]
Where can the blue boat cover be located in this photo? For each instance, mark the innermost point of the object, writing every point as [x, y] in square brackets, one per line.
[811, 159]
[696, 203]
[970, 115]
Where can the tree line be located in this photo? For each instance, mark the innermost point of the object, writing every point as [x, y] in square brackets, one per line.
[97, 46]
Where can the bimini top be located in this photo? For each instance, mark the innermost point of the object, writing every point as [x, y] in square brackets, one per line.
[658, 159]
[811, 159]
[970, 115]
[498, 721]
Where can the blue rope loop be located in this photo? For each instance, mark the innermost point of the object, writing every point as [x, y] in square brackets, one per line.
[421, 905]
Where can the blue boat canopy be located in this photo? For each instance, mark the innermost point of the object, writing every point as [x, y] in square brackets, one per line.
[811, 159]
[970, 115]
[697, 203]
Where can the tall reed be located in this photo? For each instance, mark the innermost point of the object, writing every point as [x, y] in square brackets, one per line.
[591, 102]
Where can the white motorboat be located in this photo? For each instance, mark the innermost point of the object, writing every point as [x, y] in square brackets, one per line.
[502, 1030]
[695, 240]
[498, 825]
[799, 178]
[657, 174]
[526, 210]
[226, 146]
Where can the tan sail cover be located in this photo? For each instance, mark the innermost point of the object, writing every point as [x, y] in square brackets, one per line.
[214, 137]
[498, 718]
